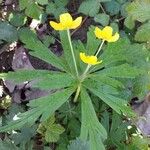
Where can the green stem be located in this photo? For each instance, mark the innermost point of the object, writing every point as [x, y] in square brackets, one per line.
[72, 52]
[77, 93]
[84, 74]
[100, 48]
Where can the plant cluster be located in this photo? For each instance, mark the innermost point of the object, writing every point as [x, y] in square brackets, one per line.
[93, 80]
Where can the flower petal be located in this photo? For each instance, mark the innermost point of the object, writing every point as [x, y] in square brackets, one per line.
[66, 20]
[114, 38]
[108, 31]
[76, 23]
[91, 60]
[98, 33]
[56, 26]
[83, 57]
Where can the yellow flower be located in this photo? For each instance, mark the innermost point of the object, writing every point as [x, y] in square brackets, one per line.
[91, 60]
[66, 22]
[106, 34]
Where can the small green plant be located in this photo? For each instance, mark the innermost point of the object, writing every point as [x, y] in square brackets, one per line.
[95, 68]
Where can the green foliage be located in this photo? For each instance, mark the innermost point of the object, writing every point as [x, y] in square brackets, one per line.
[78, 145]
[29, 38]
[32, 9]
[87, 7]
[17, 19]
[102, 93]
[24, 136]
[143, 33]
[91, 129]
[139, 11]
[7, 145]
[102, 18]
[8, 32]
[140, 142]
[50, 130]
[113, 7]
[50, 104]
[57, 7]
[42, 2]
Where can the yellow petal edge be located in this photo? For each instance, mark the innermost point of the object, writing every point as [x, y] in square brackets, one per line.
[91, 60]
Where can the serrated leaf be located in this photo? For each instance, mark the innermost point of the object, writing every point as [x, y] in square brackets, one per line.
[43, 79]
[7, 145]
[17, 19]
[39, 49]
[57, 7]
[113, 7]
[55, 81]
[89, 7]
[51, 102]
[117, 129]
[33, 11]
[23, 4]
[53, 132]
[42, 2]
[125, 52]
[129, 22]
[143, 33]
[24, 135]
[8, 32]
[106, 80]
[139, 10]
[116, 103]
[121, 71]
[102, 18]
[91, 129]
[79, 145]
[45, 105]
[27, 118]
[24, 75]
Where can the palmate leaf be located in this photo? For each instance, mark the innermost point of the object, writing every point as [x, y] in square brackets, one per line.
[44, 106]
[120, 71]
[106, 80]
[55, 81]
[43, 79]
[32, 9]
[56, 7]
[91, 128]
[8, 32]
[87, 6]
[53, 132]
[143, 33]
[117, 129]
[50, 130]
[39, 50]
[122, 52]
[109, 96]
[24, 75]
[139, 10]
